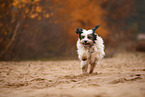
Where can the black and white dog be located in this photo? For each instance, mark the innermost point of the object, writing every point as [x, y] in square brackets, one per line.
[90, 48]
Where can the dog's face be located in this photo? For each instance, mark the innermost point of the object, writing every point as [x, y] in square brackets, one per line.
[87, 37]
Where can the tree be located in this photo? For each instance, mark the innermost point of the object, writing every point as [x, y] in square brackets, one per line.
[14, 13]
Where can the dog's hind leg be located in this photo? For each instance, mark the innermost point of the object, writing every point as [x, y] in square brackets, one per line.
[84, 66]
[92, 66]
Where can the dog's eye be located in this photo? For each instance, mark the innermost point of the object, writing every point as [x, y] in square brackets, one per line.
[89, 37]
[82, 36]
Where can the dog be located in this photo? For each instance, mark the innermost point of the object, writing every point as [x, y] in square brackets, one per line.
[90, 48]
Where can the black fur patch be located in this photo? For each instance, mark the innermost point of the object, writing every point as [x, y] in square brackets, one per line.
[94, 34]
[95, 28]
[94, 37]
[79, 31]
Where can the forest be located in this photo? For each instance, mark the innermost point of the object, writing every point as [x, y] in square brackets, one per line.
[45, 29]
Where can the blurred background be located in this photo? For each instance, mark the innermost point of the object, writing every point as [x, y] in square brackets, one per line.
[45, 29]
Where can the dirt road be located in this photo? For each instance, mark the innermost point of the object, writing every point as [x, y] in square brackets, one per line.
[120, 76]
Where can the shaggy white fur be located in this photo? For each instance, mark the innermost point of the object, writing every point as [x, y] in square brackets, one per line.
[91, 55]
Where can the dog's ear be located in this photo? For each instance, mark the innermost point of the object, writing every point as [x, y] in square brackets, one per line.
[95, 28]
[79, 31]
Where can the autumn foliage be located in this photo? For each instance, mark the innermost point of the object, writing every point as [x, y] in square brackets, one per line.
[32, 29]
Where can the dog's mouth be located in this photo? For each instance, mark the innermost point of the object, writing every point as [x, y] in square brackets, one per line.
[86, 44]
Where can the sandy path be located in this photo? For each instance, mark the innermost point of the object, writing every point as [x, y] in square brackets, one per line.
[120, 76]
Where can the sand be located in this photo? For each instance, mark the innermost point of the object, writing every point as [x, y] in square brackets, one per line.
[123, 75]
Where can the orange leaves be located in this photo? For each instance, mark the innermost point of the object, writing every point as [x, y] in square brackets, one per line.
[5, 33]
[26, 10]
[23, 3]
[47, 15]
[15, 3]
[38, 9]
[39, 18]
[35, 1]
[31, 8]
[3, 5]
[33, 16]
[20, 3]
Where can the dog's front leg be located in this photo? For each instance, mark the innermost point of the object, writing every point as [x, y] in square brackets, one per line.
[84, 66]
[92, 66]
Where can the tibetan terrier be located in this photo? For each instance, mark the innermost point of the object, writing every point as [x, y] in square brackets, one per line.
[90, 48]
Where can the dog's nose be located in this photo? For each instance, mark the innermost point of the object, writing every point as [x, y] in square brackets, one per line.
[85, 41]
